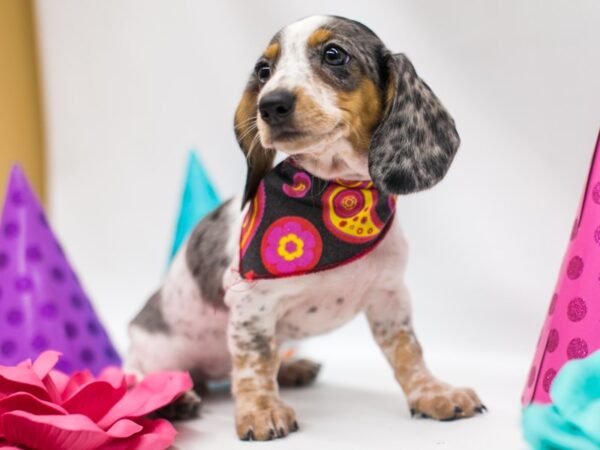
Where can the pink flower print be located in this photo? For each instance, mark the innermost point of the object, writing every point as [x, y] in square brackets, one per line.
[291, 245]
[302, 184]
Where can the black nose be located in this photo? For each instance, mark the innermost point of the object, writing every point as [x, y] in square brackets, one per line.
[276, 107]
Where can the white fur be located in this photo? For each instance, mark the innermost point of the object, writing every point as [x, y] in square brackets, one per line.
[337, 160]
[197, 340]
[359, 284]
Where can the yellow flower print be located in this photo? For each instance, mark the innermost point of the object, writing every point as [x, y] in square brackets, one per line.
[291, 247]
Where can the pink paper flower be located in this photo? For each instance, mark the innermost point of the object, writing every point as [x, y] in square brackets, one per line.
[42, 408]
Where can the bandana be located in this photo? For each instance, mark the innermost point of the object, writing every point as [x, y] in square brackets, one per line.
[299, 224]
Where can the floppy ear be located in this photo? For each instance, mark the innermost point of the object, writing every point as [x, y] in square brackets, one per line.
[414, 144]
[259, 159]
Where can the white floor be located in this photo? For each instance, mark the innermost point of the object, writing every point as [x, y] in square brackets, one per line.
[356, 405]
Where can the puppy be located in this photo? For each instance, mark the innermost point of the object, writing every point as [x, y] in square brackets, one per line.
[328, 93]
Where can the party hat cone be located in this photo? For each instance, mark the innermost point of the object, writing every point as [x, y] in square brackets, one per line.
[572, 327]
[198, 199]
[42, 304]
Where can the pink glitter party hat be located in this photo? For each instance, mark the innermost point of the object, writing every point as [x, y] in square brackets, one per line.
[42, 304]
[572, 328]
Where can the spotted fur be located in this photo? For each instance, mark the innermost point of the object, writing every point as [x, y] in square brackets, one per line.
[370, 118]
[207, 256]
[414, 144]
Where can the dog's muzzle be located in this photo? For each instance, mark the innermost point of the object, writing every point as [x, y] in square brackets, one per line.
[276, 107]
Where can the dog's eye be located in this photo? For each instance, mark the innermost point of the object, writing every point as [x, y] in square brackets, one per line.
[335, 56]
[263, 72]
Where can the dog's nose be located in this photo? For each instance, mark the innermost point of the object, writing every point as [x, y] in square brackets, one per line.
[276, 107]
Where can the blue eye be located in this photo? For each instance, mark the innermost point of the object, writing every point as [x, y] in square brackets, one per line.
[335, 56]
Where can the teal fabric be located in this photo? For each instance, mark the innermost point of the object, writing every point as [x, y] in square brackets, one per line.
[572, 421]
[199, 197]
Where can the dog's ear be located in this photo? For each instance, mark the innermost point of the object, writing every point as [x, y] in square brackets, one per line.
[416, 140]
[259, 159]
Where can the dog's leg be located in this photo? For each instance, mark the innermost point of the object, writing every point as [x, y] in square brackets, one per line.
[298, 372]
[389, 318]
[185, 407]
[260, 414]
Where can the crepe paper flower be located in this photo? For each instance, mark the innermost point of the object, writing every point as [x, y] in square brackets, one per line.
[43, 408]
[572, 421]
[291, 245]
[546, 429]
[302, 184]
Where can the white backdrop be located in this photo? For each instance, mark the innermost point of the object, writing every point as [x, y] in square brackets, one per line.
[131, 86]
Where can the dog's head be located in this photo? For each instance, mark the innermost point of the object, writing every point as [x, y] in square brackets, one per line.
[329, 82]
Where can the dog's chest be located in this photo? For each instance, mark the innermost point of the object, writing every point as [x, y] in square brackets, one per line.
[313, 304]
[321, 310]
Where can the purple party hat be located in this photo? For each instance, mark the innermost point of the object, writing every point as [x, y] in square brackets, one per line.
[42, 303]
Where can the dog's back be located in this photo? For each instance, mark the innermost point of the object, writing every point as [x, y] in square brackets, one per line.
[183, 325]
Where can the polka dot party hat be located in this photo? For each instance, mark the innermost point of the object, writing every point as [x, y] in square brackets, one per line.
[572, 328]
[42, 303]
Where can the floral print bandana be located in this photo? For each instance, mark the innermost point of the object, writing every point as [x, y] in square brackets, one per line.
[299, 224]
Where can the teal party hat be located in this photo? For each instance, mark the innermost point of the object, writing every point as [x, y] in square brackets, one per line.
[199, 197]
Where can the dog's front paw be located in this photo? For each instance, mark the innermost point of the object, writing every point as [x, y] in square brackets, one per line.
[440, 401]
[263, 417]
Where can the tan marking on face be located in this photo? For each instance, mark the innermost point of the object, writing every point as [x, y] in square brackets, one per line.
[318, 37]
[272, 51]
[309, 119]
[361, 111]
[390, 94]
[245, 122]
[315, 109]
[309, 114]
[260, 160]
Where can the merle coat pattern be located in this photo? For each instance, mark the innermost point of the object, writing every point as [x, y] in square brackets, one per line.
[327, 92]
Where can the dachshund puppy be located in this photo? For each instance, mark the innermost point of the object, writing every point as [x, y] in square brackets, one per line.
[359, 127]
